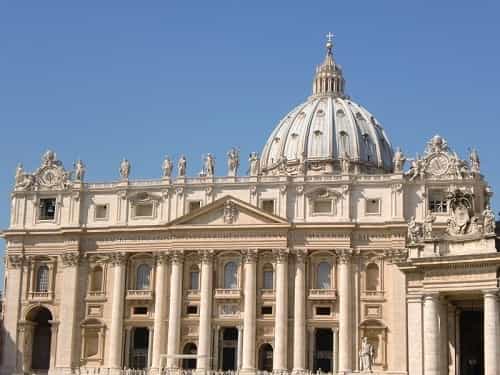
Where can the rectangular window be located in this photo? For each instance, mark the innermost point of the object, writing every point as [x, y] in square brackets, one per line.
[268, 205]
[267, 310]
[192, 310]
[101, 211]
[322, 310]
[195, 280]
[194, 205]
[47, 209]
[140, 310]
[144, 210]
[268, 279]
[438, 203]
[322, 206]
[373, 206]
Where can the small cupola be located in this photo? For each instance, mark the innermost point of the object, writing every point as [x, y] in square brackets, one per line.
[328, 79]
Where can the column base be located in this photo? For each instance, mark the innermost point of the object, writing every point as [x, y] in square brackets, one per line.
[248, 371]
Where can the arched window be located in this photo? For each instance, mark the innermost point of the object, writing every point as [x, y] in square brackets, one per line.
[42, 279]
[96, 279]
[194, 279]
[143, 277]
[323, 280]
[268, 282]
[372, 277]
[230, 276]
[190, 351]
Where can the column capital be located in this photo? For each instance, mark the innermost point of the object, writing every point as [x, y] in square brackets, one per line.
[431, 296]
[161, 257]
[344, 256]
[15, 261]
[206, 256]
[117, 259]
[177, 256]
[301, 255]
[490, 293]
[281, 255]
[70, 259]
[250, 255]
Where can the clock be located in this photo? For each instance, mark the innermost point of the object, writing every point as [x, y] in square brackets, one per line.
[438, 164]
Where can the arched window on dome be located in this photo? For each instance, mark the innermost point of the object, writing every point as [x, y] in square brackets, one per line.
[96, 279]
[372, 277]
[42, 279]
[268, 276]
[143, 279]
[230, 275]
[323, 276]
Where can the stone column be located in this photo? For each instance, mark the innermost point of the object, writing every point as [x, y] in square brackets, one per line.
[432, 342]
[204, 335]
[159, 331]
[491, 328]
[66, 353]
[12, 314]
[240, 348]
[174, 321]
[415, 330]
[281, 317]
[299, 313]
[249, 313]
[345, 315]
[118, 261]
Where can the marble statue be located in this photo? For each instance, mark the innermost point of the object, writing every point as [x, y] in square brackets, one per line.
[489, 221]
[233, 162]
[399, 161]
[475, 164]
[209, 165]
[23, 180]
[181, 166]
[167, 167]
[19, 174]
[125, 169]
[366, 355]
[416, 168]
[345, 164]
[79, 171]
[414, 230]
[254, 163]
[427, 227]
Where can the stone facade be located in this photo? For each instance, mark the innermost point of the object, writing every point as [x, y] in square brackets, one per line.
[332, 262]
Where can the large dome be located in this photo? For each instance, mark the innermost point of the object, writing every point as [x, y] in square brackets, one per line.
[328, 133]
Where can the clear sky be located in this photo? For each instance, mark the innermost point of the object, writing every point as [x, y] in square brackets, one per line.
[103, 80]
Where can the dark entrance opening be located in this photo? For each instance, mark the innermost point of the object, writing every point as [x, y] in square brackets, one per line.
[471, 343]
[140, 348]
[42, 337]
[229, 348]
[266, 358]
[189, 363]
[323, 355]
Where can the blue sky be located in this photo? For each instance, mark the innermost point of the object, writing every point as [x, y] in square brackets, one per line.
[138, 79]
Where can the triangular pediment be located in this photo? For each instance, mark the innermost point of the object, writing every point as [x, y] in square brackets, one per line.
[228, 211]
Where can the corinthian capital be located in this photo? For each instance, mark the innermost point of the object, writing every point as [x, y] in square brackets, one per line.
[117, 259]
[344, 256]
[15, 261]
[206, 256]
[177, 256]
[250, 255]
[70, 259]
[281, 255]
[301, 255]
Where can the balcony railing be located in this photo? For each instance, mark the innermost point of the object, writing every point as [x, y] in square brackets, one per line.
[40, 296]
[322, 294]
[139, 294]
[372, 295]
[267, 293]
[228, 293]
[96, 295]
[192, 294]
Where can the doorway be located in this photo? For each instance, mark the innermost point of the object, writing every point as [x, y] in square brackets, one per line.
[229, 348]
[266, 358]
[189, 363]
[323, 354]
[471, 343]
[42, 337]
[140, 348]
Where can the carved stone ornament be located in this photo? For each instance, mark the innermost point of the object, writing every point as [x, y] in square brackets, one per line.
[117, 259]
[397, 255]
[300, 189]
[15, 261]
[461, 221]
[250, 255]
[209, 190]
[179, 190]
[489, 221]
[427, 227]
[70, 259]
[206, 256]
[162, 258]
[51, 175]
[301, 255]
[177, 256]
[253, 190]
[281, 255]
[230, 212]
[344, 256]
[414, 231]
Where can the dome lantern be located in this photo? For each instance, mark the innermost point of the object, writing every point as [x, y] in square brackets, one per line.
[328, 79]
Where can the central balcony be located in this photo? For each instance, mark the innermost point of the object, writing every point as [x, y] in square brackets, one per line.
[322, 294]
[139, 295]
[228, 293]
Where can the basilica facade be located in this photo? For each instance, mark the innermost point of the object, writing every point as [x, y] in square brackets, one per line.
[336, 253]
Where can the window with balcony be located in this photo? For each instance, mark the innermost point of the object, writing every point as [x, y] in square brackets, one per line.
[372, 278]
[47, 209]
[230, 276]
[323, 276]
[96, 279]
[42, 279]
[268, 277]
[438, 202]
[143, 279]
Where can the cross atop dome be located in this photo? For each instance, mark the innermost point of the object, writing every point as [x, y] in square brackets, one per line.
[329, 42]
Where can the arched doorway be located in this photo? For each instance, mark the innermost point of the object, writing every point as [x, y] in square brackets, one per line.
[191, 350]
[42, 337]
[324, 350]
[266, 358]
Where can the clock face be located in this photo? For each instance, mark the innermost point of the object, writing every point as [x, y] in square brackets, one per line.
[439, 164]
